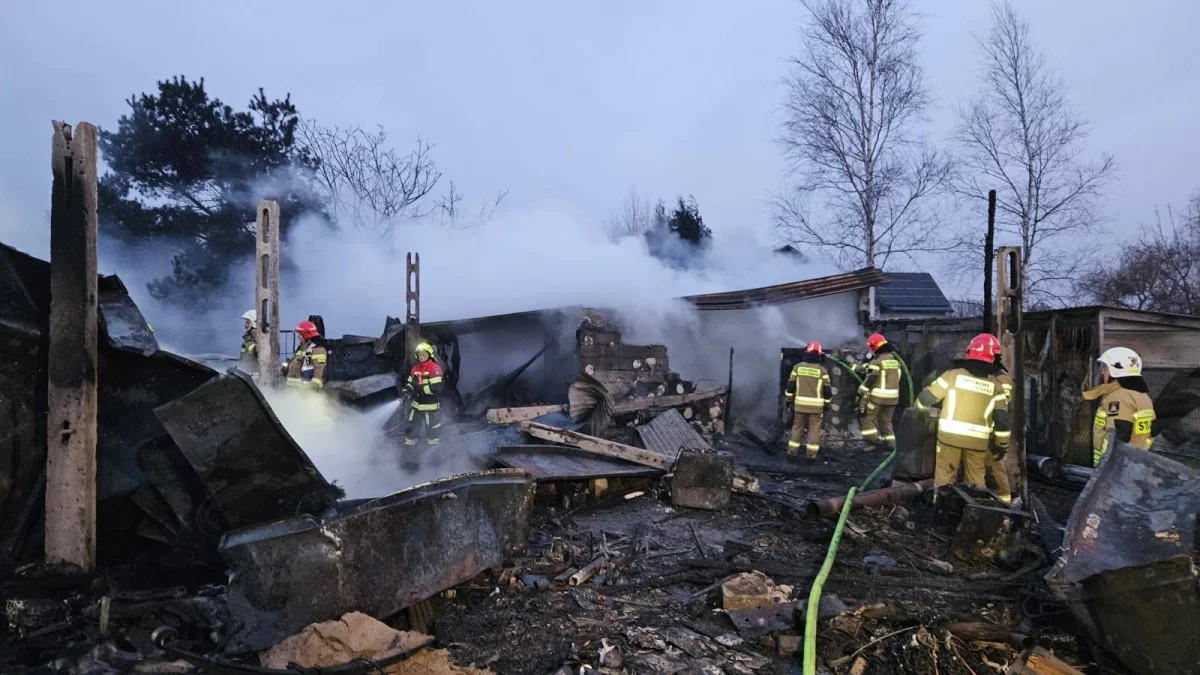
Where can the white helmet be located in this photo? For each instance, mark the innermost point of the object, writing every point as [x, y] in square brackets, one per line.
[1121, 362]
[252, 317]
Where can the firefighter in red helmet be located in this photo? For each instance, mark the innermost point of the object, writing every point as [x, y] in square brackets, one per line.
[307, 367]
[974, 419]
[879, 394]
[809, 392]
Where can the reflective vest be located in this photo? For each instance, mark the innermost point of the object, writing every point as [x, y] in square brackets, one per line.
[882, 381]
[808, 387]
[248, 344]
[1134, 407]
[969, 404]
[424, 384]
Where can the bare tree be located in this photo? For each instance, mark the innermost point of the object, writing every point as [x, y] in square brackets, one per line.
[633, 220]
[1020, 138]
[450, 212]
[1159, 271]
[855, 96]
[365, 182]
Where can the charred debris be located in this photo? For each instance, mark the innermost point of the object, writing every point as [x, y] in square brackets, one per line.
[623, 520]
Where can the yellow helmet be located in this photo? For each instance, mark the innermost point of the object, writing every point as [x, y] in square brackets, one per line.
[423, 347]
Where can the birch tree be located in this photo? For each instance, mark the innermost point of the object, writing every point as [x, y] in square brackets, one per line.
[1020, 137]
[863, 177]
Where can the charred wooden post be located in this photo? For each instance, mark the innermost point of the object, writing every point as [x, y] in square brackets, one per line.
[1010, 279]
[989, 260]
[266, 292]
[412, 306]
[72, 366]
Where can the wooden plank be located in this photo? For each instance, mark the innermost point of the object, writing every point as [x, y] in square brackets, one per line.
[742, 481]
[266, 292]
[72, 365]
[669, 401]
[598, 446]
[562, 462]
[1038, 661]
[514, 415]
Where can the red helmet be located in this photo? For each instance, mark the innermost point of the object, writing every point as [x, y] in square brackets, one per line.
[307, 330]
[876, 341]
[984, 347]
[813, 347]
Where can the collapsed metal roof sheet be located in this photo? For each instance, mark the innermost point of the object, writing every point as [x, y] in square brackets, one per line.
[798, 290]
[912, 292]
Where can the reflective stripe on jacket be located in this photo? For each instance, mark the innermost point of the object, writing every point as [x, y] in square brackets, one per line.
[882, 381]
[425, 383]
[809, 388]
[1126, 405]
[974, 410]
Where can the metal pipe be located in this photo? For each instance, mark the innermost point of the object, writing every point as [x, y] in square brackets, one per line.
[814, 595]
[888, 495]
[1046, 467]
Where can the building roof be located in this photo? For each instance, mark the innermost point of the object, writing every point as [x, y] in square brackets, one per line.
[798, 290]
[911, 292]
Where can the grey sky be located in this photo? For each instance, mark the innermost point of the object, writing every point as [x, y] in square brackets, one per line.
[575, 102]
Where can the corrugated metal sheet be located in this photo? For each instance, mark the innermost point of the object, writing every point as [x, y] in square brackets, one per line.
[799, 290]
[668, 433]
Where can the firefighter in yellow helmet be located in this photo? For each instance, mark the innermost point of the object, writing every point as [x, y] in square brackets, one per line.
[423, 386]
[1125, 403]
[809, 392]
[307, 367]
[974, 417]
[879, 394]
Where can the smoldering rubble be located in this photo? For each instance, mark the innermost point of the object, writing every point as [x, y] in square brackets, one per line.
[590, 508]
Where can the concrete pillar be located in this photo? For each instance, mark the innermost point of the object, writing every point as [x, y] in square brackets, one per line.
[72, 365]
[412, 306]
[1010, 308]
[266, 292]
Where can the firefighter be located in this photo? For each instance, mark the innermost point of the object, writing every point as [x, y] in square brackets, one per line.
[1125, 403]
[423, 386]
[810, 392]
[250, 337]
[307, 367]
[878, 394]
[974, 417]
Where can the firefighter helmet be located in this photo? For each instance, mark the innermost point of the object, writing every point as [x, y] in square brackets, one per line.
[875, 342]
[252, 317]
[813, 347]
[423, 347]
[1121, 362]
[307, 330]
[984, 347]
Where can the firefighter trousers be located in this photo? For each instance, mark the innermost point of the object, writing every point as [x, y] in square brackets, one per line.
[876, 425]
[1000, 475]
[811, 422]
[974, 462]
[429, 420]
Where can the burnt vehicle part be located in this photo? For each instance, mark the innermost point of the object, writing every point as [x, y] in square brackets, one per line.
[1127, 572]
[249, 465]
[988, 527]
[378, 557]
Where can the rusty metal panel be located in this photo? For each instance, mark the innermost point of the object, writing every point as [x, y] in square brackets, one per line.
[378, 557]
[1138, 508]
[668, 433]
[250, 466]
[560, 462]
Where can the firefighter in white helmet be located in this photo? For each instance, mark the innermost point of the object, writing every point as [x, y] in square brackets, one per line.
[249, 356]
[1125, 403]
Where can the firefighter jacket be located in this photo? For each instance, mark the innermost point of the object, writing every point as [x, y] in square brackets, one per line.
[424, 384]
[974, 409]
[308, 365]
[1128, 411]
[881, 380]
[248, 343]
[808, 387]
